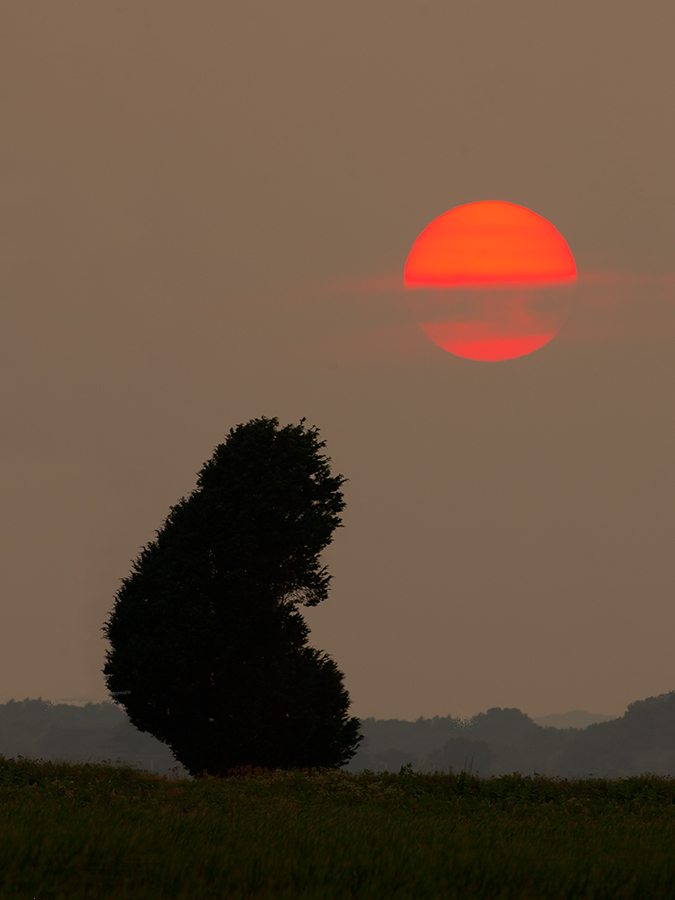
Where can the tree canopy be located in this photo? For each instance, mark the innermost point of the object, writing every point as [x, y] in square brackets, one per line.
[209, 650]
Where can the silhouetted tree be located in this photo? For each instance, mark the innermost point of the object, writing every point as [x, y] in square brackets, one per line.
[209, 651]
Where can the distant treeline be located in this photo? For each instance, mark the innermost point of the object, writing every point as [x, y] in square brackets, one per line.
[503, 741]
[92, 733]
[499, 741]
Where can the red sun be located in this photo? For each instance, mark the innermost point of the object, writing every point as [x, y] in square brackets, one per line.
[490, 280]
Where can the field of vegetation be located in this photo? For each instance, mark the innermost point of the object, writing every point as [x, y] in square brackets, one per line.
[99, 831]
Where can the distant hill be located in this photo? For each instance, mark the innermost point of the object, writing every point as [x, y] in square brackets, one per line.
[89, 733]
[502, 741]
[499, 741]
[576, 719]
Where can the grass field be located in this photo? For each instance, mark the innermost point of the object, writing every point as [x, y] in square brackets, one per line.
[84, 832]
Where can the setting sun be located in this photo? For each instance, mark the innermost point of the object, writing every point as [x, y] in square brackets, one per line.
[487, 280]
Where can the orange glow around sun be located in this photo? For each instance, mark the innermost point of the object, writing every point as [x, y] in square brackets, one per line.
[490, 280]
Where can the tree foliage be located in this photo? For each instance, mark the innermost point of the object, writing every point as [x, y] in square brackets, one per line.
[209, 651]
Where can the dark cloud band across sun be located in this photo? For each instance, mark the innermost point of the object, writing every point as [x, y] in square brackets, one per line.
[479, 303]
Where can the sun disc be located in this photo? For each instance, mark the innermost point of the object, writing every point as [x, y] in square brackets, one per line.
[491, 267]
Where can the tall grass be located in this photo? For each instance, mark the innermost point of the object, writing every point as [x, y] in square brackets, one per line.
[94, 832]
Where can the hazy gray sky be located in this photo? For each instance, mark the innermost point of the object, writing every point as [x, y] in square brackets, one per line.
[206, 211]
